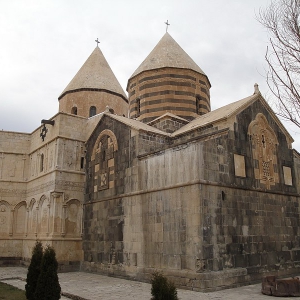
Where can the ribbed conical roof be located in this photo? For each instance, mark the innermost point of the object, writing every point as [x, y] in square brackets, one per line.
[95, 74]
[167, 53]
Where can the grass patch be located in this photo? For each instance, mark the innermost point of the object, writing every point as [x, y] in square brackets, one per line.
[8, 292]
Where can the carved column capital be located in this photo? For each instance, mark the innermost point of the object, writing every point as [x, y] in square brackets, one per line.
[56, 194]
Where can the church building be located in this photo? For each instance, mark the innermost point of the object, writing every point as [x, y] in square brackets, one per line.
[154, 181]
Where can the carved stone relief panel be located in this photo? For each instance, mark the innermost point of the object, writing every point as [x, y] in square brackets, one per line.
[264, 150]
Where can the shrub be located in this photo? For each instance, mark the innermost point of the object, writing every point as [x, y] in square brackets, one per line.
[34, 270]
[162, 288]
[48, 287]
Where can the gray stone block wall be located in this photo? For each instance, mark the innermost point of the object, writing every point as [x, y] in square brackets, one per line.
[249, 229]
[178, 205]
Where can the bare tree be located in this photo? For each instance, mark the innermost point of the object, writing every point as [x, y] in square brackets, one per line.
[282, 19]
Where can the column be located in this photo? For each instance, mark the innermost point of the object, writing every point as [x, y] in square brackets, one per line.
[63, 221]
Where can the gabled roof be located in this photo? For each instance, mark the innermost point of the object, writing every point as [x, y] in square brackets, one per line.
[138, 125]
[216, 115]
[167, 115]
[227, 111]
[167, 53]
[95, 74]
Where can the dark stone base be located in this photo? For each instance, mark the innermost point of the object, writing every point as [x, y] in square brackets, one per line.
[68, 266]
[190, 280]
[63, 266]
[11, 261]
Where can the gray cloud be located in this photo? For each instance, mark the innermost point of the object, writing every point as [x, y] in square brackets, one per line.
[44, 43]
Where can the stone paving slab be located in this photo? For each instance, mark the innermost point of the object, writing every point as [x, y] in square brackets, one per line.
[96, 287]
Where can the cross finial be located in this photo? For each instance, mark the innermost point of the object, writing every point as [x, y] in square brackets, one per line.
[97, 41]
[167, 23]
[256, 89]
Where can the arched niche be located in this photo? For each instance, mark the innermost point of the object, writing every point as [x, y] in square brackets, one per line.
[4, 218]
[32, 217]
[43, 215]
[111, 135]
[73, 218]
[20, 215]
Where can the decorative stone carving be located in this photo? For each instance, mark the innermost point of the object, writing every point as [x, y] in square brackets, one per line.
[8, 192]
[103, 156]
[264, 150]
[103, 182]
[113, 141]
[200, 265]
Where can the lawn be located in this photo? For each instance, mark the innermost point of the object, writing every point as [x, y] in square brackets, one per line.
[8, 292]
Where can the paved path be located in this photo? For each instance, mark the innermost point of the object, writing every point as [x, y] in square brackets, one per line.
[96, 287]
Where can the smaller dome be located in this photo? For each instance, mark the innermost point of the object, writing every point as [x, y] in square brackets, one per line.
[95, 74]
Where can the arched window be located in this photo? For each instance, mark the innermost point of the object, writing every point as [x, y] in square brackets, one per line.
[138, 107]
[198, 98]
[92, 111]
[42, 163]
[74, 110]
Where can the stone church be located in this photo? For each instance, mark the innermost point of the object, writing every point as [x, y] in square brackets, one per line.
[125, 185]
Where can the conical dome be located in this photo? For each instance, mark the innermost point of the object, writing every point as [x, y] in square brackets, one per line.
[167, 53]
[168, 81]
[94, 74]
[93, 88]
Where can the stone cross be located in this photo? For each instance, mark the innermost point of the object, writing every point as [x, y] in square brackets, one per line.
[97, 41]
[167, 23]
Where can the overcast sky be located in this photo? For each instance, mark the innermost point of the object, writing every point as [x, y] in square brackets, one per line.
[43, 43]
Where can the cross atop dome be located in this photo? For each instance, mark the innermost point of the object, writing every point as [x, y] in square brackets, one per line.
[167, 23]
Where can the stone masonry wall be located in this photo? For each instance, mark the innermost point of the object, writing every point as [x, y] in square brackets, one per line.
[31, 170]
[108, 158]
[198, 207]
